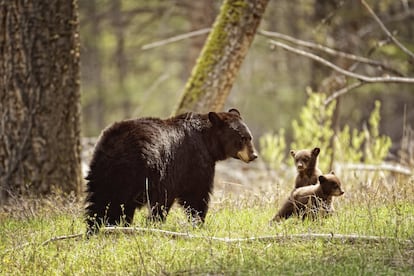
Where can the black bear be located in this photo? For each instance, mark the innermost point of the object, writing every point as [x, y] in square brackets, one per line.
[312, 200]
[306, 163]
[154, 162]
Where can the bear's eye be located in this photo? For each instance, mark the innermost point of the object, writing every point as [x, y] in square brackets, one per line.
[245, 139]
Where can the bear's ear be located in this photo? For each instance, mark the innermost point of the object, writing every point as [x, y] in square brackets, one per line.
[322, 179]
[292, 152]
[235, 111]
[316, 151]
[214, 118]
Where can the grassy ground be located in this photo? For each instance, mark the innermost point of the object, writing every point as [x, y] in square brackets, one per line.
[376, 209]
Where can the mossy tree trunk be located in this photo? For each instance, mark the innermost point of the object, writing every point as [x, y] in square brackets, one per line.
[39, 97]
[219, 62]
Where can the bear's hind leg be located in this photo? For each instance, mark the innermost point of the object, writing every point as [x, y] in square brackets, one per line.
[159, 208]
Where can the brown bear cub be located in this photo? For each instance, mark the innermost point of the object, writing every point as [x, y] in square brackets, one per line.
[306, 162]
[312, 201]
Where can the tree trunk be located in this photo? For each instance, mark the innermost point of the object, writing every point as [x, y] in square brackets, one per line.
[39, 97]
[220, 60]
[200, 14]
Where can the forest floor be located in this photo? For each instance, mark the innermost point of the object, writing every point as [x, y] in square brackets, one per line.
[371, 233]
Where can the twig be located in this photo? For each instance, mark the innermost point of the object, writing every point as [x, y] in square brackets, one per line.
[58, 238]
[175, 39]
[385, 79]
[342, 91]
[307, 236]
[330, 51]
[386, 31]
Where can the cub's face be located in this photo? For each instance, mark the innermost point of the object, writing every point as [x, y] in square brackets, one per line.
[234, 135]
[303, 158]
[331, 185]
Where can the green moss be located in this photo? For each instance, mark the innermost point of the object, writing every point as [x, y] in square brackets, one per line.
[230, 14]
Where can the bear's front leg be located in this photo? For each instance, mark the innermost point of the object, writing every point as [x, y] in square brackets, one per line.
[196, 208]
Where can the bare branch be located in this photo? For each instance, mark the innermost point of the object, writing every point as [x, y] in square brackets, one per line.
[270, 238]
[344, 90]
[175, 38]
[394, 168]
[307, 236]
[386, 31]
[385, 79]
[330, 51]
[62, 238]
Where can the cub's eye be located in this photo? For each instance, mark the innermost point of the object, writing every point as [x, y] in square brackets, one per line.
[305, 159]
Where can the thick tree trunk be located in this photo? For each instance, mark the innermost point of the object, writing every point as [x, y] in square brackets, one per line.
[220, 60]
[39, 97]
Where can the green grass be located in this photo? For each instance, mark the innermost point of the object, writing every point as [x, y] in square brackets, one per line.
[359, 212]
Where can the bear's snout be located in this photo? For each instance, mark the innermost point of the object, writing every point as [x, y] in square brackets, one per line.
[247, 154]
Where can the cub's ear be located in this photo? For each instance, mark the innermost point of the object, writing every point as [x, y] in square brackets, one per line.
[235, 111]
[322, 179]
[316, 151]
[292, 152]
[214, 118]
[332, 172]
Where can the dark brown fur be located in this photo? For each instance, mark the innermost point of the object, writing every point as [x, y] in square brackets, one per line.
[312, 200]
[306, 163]
[154, 162]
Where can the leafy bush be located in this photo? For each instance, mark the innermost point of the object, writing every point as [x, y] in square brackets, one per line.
[314, 129]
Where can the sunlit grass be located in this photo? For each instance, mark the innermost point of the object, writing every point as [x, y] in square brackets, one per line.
[151, 253]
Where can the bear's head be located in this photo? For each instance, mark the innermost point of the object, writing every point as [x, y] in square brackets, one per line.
[331, 185]
[304, 158]
[234, 137]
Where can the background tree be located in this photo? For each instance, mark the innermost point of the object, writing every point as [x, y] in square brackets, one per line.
[222, 55]
[39, 97]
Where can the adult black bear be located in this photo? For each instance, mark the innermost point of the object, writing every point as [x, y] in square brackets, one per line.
[153, 162]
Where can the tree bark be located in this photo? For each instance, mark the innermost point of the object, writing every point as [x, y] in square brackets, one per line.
[220, 60]
[39, 97]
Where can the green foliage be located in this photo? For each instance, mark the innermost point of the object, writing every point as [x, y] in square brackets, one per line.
[314, 129]
[366, 145]
[273, 148]
[377, 145]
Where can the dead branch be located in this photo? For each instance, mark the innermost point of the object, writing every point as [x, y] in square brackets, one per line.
[394, 168]
[330, 51]
[59, 238]
[342, 91]
[386, 31]
[175, 39]
[385, 79]
[275, 238]
[270, 238]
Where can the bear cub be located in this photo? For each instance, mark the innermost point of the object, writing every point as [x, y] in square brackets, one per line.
[306, 163]
[312, 201]
[154, 162]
